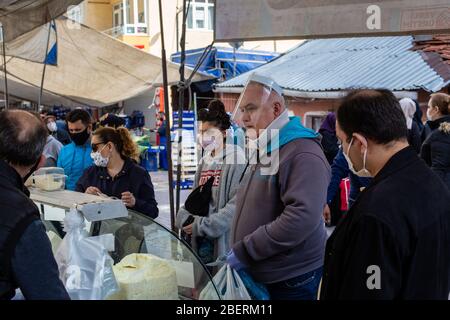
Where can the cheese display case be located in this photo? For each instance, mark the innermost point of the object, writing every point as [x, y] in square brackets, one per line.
[150, 261]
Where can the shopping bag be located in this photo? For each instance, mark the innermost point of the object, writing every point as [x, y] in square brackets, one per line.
[84, 264]
[257, 291]
[228, 283]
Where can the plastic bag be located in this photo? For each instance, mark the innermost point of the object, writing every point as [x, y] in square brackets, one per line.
[228, 283]
[84, 264]
[257, 291]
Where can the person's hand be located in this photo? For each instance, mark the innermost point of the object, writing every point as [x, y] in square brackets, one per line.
[93, 190]
[234, 262]
[188, 229]
[128, 199]
[327, 214]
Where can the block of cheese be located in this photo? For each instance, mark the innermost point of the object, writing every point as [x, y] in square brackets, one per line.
[145, 277]
[55, 240]
[49, 182]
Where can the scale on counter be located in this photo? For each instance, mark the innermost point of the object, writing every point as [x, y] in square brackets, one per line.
[54, 205]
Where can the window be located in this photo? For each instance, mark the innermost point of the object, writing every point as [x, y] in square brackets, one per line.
[133, 19]
[201, 15]
[75, 13]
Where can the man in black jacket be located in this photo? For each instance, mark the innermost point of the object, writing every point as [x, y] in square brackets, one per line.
[394, 242]
[26, 258]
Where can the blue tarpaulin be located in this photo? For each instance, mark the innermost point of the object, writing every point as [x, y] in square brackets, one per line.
[220, 61]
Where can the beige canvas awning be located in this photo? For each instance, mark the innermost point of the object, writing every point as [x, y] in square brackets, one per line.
[21, 16]
[93, 69]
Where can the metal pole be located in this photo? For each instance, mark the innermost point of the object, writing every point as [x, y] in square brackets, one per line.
[4, 69]
[45, 65]
[167, 113]
[234, 62]
[177, 26]
[195, 126]
[181, 101]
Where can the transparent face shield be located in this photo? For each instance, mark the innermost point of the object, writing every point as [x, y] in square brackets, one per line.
[254, 109]
[256, 112]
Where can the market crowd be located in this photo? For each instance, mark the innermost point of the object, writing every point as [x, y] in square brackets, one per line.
[374, 171]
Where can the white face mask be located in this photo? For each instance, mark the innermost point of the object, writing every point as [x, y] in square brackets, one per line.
[99, 160]
[363, 173]
[208, 141]
[51, 126]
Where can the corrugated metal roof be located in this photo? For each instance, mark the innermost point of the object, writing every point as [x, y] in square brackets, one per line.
[349, 63]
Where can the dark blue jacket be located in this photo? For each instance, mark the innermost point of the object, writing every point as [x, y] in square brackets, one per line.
[26, 258]
[132, 178]
[35, 268]
[339, 171]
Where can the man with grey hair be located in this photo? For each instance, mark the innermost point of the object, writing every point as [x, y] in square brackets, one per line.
[278, 233]
[26, 259]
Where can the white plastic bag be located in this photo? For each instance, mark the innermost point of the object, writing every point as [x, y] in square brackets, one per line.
[228, 283]
[84, 264]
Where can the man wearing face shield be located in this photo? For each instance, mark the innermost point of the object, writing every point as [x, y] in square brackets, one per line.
[26, 258]
[75, 157]
[278, 233]
[394, 242]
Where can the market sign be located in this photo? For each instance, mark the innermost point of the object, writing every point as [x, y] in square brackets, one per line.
[296, 19]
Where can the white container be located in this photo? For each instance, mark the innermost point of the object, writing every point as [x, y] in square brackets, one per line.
[49, 179]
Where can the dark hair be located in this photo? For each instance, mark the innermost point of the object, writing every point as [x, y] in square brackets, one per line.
[113, 121]
[442, 101]
[215, 113]
[375, 114]
[79, 114]
[22, 137]
[121, 139]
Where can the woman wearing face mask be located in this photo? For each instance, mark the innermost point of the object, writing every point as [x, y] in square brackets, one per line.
[436, 114]
[436, 148]
[224, 164]
[409, 110]
[116, 173]
[61, 135]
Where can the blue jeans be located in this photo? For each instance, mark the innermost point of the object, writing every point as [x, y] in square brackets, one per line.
[303, 287]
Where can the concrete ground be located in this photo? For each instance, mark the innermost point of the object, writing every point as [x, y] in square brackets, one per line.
[161, 184]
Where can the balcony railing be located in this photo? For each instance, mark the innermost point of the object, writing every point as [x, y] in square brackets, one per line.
[115, 32]
[129, 29]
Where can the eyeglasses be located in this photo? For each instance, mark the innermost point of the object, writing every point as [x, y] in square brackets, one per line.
[94, 146]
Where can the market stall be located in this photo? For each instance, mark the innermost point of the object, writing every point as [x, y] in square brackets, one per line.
[150, 261]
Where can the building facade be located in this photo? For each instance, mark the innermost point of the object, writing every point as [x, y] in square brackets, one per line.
[136, 22]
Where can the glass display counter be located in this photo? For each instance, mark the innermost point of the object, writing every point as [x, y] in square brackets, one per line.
[136, 233]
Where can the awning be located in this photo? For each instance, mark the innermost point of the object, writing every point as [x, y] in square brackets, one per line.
[21, 16]
[220, 61]
[238, 20]
[93, 69]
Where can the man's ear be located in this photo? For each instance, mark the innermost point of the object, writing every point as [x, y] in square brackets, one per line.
[42, 161]
[277, 109]
[362, 141]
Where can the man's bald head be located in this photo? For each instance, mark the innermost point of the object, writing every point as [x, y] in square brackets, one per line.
[22, 137]
[260, 106]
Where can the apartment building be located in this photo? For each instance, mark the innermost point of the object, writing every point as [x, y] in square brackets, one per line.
[136, 22]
